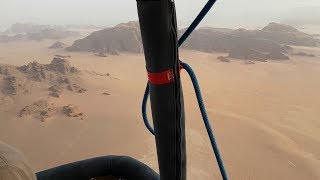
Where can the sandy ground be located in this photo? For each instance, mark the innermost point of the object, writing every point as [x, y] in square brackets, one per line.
[265, 116]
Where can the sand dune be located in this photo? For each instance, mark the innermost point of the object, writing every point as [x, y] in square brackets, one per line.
[265, 116]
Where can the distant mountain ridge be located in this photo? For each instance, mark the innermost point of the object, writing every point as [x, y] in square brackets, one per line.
[41, 35]
[25, 28]
[270, 40]
[273, 36]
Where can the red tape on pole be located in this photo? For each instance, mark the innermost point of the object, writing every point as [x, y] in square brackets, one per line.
[164, 77]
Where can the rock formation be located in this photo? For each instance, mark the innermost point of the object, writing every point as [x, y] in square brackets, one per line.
[57, 75]
[223, 59]
[43, 110]
[285, 34]
[12, 81]
[40, 109]
[51, 72]
[54, 80]
[249, 62]
[121, 38]
[57, 45]
[271, 42]
[276, 27]
[72, 111]
[101, 54]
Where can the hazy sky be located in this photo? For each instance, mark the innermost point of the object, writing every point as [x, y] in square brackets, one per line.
[230, 13]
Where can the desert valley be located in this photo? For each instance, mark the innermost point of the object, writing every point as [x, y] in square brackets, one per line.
[70, 93]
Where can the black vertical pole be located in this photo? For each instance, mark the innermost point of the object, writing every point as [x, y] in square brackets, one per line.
[159, 35]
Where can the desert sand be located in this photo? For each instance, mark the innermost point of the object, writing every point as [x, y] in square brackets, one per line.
[265, 115]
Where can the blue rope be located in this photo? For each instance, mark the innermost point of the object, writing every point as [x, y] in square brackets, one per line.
[196, 21]
[205, 118]
[144, 110]
[196, 86]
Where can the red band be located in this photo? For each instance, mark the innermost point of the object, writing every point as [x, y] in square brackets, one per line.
[164, 77]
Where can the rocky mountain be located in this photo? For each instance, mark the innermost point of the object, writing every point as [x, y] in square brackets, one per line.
[282, 34]
[271, 42]
[212, 41]
[121, 38]
[57, 45]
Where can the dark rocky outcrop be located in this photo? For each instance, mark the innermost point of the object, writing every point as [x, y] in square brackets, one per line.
[72, 111]
[101, 54]
[40, 109]
[249, 62]
[55, 94]
[223, 59]
[40, 72]
[55, 88]
[76, 88]
[62, 66]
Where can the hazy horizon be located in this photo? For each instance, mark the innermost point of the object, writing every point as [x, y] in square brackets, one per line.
[226, 13]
